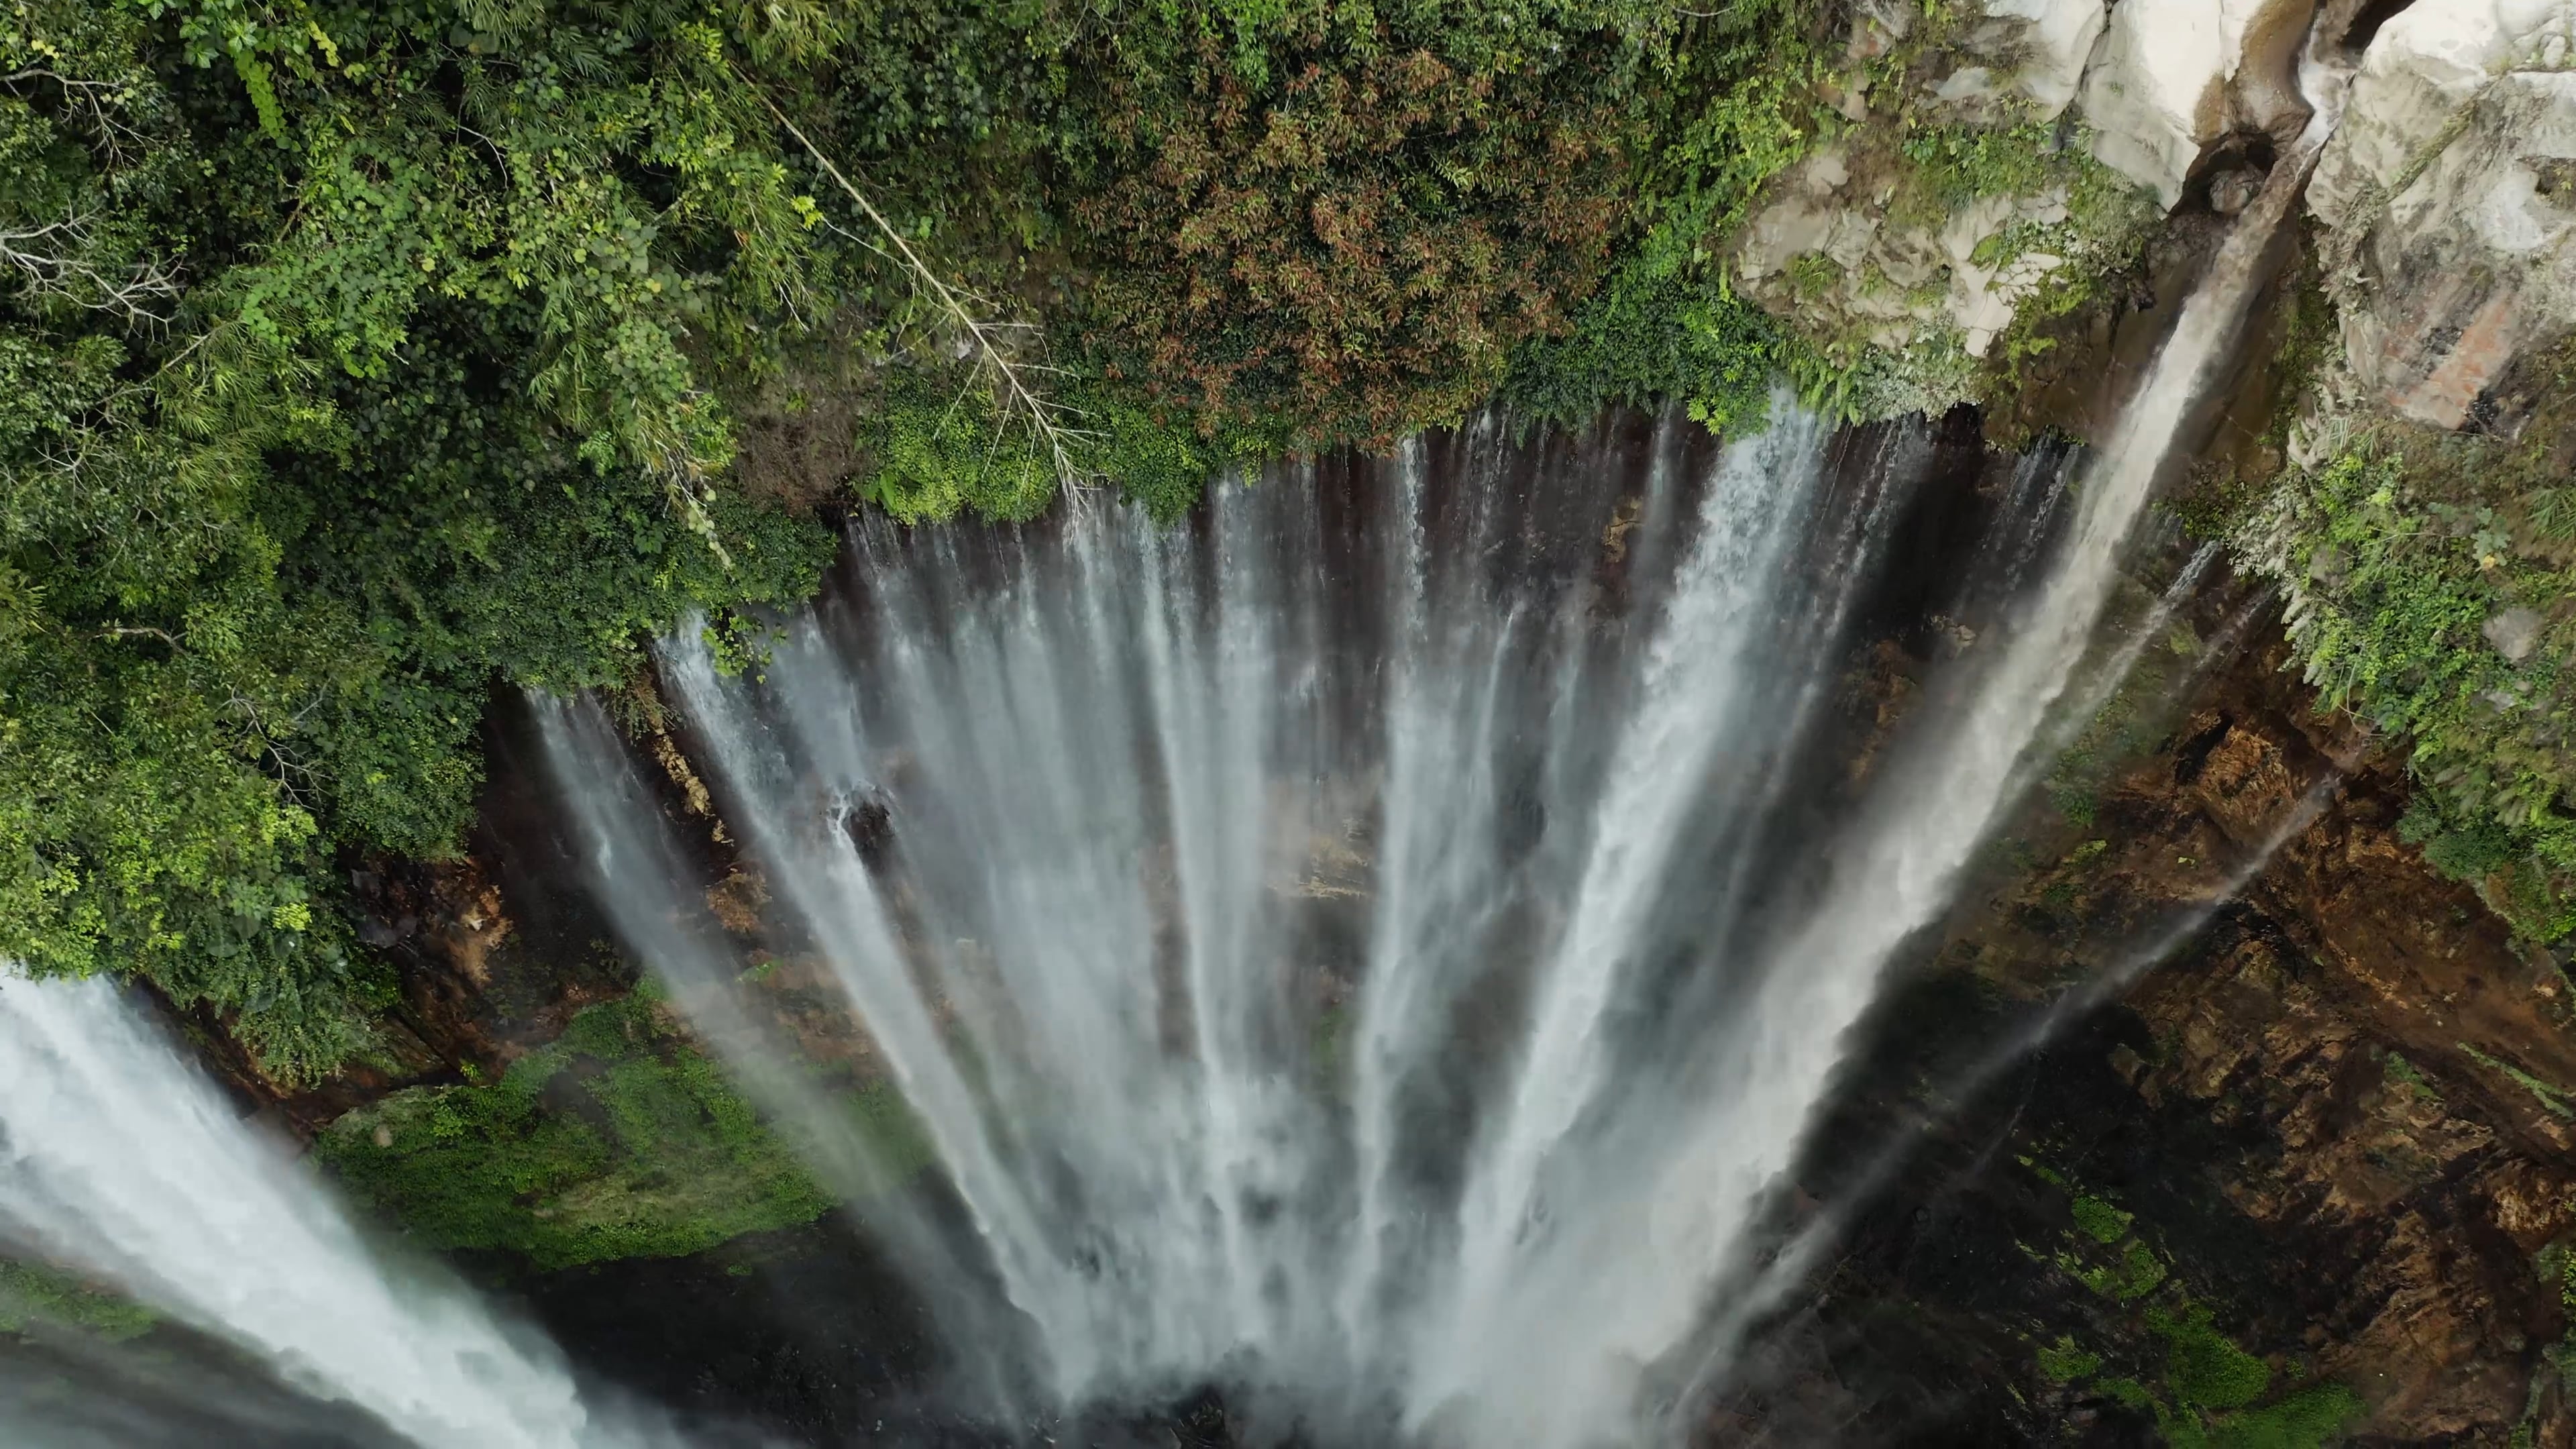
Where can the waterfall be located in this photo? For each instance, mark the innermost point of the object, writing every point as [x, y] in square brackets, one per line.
[1379, 946]
[121, 1160]
[1261, 917]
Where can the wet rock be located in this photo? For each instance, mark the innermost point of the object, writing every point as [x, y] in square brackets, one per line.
[2172, 79]
[2338, 1117]
[2234, 189]
[869, 823]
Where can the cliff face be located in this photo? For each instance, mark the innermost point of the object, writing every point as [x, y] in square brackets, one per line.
[2324, 1147]
[2447, 197]
[2331, 1129]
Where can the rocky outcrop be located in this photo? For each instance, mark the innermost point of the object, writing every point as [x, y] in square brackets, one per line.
[1830, 247]
[1879, 238]
[2326, 1140]
[2449, 194]
[2173, 79]
[2032, 50]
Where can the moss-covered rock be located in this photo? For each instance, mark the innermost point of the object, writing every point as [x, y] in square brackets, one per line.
[36, 1299]
[620, 1140]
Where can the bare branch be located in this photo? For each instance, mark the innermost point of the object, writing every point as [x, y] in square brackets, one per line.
[1048, 421]
[296, 776]
[96, 100]
[54, 260]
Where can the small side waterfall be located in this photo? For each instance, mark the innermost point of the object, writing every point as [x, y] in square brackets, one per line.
[118, 1158]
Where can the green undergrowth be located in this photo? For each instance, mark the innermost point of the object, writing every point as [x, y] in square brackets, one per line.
[2426, 575]
[2102, 232]
[36, 1300]
[935, 455]
[619, 1140]
[1863, 344]
[2151, 1347]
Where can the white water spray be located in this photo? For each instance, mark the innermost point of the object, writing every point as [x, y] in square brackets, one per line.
[119, 1158]
[1380, 948]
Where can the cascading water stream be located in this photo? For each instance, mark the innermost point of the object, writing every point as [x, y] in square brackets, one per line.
[1380, 946]
[118, 1158]
[1189, 883]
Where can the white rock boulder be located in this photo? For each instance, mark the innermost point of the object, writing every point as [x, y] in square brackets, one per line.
[2449, 189]
[2172, 78]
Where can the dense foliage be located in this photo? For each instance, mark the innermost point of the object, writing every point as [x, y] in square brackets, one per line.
[359, 353]
[2425, 572]
[1352, 237]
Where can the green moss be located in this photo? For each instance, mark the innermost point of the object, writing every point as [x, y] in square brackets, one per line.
[34, 1297]
[2133, 1274]
[2399, 1072]
[2129, 1392]
[2202, 1368]
[2064, 1363]
[2207, 1388]
[2553, 1099]
[2101, 1221]
[2309, 1419]
[620, 1140]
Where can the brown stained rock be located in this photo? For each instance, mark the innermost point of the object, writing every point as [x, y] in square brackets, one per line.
[2246, 786]
[2429, 1360]
[1884, 685]
[468, 921]
[2346, 1030]
[2352, 1037]
[2532, 1206]
[736, 901]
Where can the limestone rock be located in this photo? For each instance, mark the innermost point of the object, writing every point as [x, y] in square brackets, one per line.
[2514, 633]
[2446, 189]
[2036, 48]
[2172, 79]
[1826, 248]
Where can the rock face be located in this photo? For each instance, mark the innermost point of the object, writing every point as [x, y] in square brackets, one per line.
[2174, 78]
[2335, 1128]
[1830, 248]
[1857, 243]
[2450, 194]
[2035, 49]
